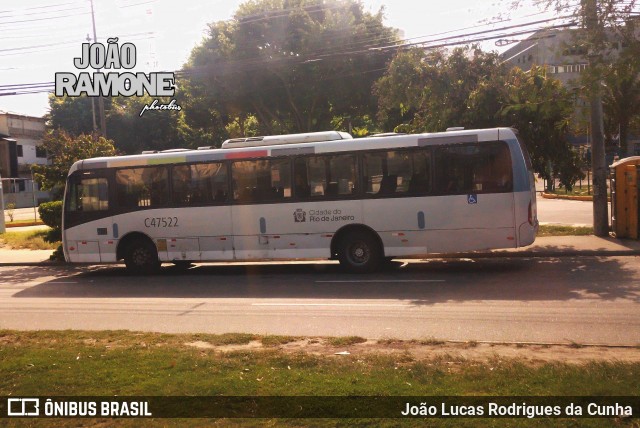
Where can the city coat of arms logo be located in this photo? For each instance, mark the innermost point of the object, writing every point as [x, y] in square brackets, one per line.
[299, 215]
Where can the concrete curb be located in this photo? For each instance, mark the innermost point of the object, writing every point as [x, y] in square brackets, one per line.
[42, 263]
[486, 255]
[569, 197]
[543, 253]
[27, 224]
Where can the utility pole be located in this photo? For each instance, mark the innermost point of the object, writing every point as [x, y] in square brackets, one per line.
[93, 100]
[2, 226]
[598, 161]
[103, 120]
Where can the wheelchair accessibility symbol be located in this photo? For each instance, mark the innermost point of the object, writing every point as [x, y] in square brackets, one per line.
[472, 198]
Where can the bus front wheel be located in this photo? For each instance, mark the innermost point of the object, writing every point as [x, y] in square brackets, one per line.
[360, 253]
[142, 257]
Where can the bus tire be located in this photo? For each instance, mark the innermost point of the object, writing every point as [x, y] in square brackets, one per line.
[360, 252]
[141, 257]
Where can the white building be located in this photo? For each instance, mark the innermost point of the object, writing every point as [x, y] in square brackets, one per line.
[20, 147]
[564, 56]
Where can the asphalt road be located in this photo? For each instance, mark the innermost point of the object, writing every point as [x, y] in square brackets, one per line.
[559, 211]
[587, 300]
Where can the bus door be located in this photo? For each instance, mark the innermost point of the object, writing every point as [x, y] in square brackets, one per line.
[88, 229]
[200, 229]
[260, 188]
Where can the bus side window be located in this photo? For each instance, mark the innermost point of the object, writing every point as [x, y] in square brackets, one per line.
[415, 172]
[301, 186]
[396, 172]
[342, 175]
[261, 180]
[199, 184]
[142, 187]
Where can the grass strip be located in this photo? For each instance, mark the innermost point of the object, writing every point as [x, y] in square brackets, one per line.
[123, 363]
[30, 240]
[559, 230]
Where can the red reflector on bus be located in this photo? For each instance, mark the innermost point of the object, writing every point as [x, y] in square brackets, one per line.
[84, 242]
[72, 248]
[276, 237]
[292, 244]
[223, 239]
[510, 238]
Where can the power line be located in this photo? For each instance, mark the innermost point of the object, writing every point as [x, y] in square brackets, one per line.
[45, 19]
[41, 12]
[42, 7]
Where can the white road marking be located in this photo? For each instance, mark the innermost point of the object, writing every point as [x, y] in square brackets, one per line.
[377, 280]
[368, 305]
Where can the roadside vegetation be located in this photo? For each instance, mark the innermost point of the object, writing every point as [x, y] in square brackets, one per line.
[561, 230]
[576, 190]
[29, 240]
[141, 364]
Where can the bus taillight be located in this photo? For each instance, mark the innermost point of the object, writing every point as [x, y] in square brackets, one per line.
[530, 214]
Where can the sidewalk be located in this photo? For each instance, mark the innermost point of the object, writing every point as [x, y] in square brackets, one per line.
[553, 246]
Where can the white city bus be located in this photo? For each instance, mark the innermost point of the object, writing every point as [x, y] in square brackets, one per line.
[303, 196]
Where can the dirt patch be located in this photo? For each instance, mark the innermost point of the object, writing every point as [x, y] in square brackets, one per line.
[251, 346]
[447, 351]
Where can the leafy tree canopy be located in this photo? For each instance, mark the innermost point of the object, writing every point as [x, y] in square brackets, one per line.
[63, 150]
[131, 133]
[432, 91]
[293, 64]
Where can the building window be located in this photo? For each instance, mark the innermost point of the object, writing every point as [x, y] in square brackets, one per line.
[19, 150]
[41, 152]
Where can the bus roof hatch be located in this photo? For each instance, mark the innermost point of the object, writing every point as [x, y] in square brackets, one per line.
[272, 140]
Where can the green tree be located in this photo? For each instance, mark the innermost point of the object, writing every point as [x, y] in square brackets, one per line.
[470, 88]
[63, 150]
[541, 109]
[131, 132]
[294, 65]
[433, 91]
[73, 114]
[621, 96]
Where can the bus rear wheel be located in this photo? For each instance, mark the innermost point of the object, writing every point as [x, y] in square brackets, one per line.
[360, 253]
[141, 257]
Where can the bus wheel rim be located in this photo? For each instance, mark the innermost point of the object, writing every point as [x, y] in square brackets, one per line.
[359, 253]
[140, 256]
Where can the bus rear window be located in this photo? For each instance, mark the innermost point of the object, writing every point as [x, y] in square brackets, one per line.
[477, 168]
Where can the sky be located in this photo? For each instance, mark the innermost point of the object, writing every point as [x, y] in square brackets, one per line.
[41, 37]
